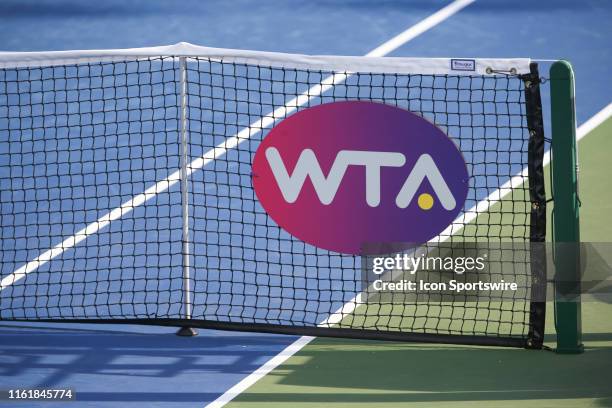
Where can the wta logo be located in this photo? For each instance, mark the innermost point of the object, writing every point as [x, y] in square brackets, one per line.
[343, 175]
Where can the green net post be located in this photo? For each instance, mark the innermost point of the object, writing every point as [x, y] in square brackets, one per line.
[566, 209]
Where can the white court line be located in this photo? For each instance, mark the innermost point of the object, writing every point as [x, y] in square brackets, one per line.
[595, 121]
[419, 28]
[228, 144]
[352, 304]
[348, 307]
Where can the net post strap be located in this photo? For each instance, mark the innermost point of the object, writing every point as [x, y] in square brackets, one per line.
[537, 198]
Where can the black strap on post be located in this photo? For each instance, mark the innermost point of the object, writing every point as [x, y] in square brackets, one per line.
[537, 197]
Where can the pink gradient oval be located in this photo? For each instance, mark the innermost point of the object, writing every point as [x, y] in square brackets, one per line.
[348, 222]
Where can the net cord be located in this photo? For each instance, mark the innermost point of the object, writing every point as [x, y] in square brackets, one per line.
[396, 65]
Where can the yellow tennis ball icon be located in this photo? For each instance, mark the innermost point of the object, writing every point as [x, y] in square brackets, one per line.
[425, 201]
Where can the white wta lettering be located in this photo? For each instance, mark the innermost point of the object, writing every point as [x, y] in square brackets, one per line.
[327, 187]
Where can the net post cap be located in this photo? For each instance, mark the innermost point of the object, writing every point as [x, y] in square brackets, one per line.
[562, 70]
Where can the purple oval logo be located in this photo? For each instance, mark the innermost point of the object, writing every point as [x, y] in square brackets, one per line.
[345, 174]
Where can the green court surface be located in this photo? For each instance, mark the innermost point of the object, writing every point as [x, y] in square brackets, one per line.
[347, 373]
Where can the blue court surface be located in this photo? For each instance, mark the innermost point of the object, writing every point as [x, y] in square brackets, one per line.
[133, 365]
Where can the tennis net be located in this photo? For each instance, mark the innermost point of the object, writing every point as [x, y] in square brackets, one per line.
[126, 191]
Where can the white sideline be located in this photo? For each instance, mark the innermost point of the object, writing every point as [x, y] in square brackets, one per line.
[348, 307]
[419, 28]
[594, 121]
[352, 304]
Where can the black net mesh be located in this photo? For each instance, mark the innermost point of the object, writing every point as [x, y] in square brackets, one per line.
[90, 200]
